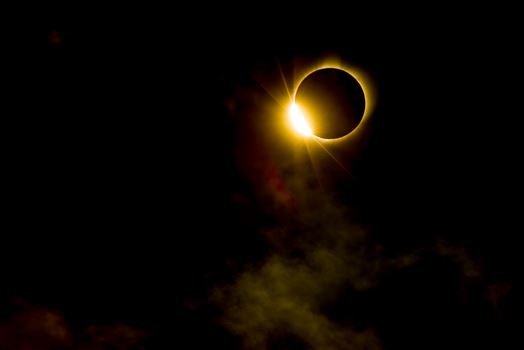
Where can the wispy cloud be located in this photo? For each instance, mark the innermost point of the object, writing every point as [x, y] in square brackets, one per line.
[27, 326]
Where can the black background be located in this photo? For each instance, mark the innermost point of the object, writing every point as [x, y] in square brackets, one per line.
[121, 164]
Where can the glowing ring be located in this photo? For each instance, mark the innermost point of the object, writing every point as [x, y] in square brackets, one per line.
[362, 79]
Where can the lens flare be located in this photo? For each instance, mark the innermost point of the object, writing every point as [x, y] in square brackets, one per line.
[298, 120]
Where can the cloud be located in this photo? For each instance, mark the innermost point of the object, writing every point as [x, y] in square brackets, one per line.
[462, 259]
[28, 327]
[31, 327]
[115, 336]
[280, 301]
[284, 298]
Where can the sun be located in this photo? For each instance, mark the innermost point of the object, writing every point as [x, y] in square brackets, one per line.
[299, 121]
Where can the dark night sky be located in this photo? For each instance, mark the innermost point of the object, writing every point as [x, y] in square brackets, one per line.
[153, 200]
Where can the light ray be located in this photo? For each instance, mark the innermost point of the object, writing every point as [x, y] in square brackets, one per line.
[335, 159]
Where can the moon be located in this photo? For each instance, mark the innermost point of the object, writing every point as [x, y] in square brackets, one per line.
[329, 103]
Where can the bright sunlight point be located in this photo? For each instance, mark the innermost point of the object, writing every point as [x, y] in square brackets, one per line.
[298, 120]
